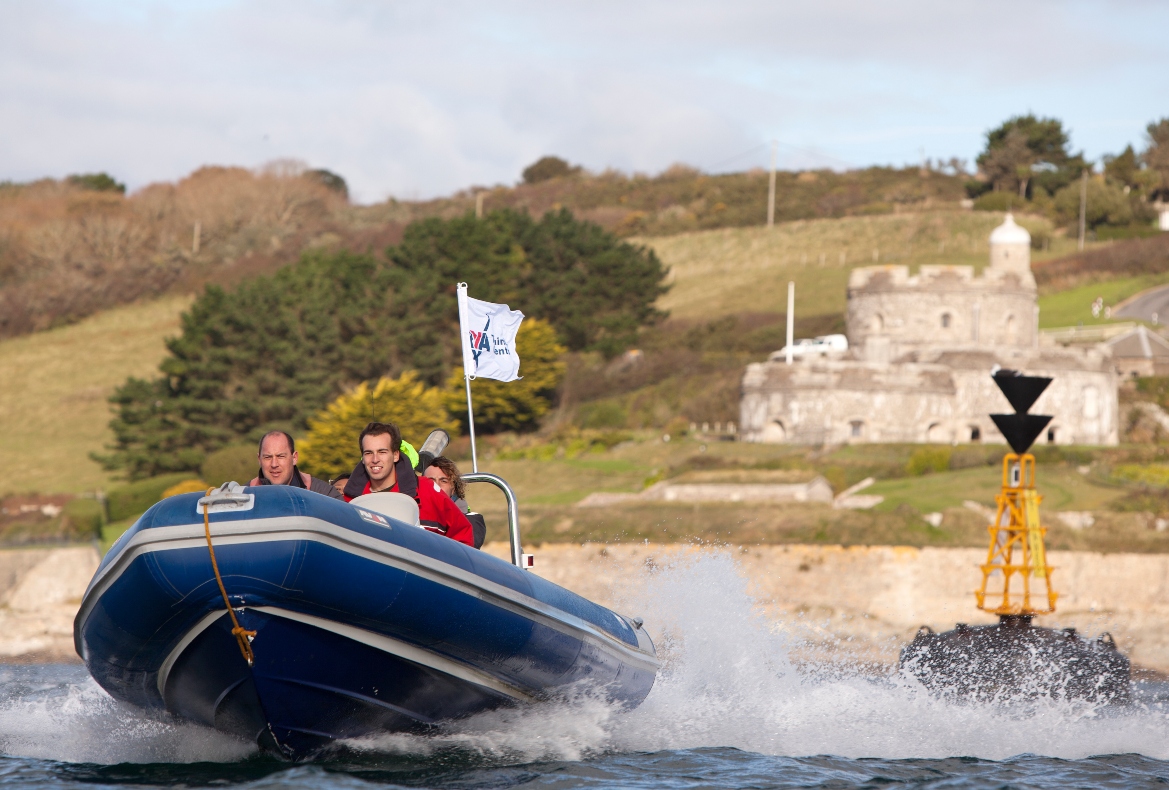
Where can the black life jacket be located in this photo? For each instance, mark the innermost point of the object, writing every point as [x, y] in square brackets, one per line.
[407, 482]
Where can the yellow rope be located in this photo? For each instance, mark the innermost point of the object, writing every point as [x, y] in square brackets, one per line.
[238, 631]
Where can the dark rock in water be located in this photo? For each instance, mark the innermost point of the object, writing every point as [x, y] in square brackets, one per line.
[1014, 659]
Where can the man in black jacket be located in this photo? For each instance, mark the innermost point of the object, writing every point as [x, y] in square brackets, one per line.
[278, 459]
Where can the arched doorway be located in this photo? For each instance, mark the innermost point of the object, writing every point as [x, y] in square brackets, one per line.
[774, 432]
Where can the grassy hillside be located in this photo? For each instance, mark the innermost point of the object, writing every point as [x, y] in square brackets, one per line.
[53, 408]
[727, 303]
[684, 199]
[736, 270]
[68, 250]
[1138, 257]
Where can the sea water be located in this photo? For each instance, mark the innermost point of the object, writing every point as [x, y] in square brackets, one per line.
[732, 708]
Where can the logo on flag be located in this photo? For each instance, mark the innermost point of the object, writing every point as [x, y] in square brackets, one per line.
[480, 341]
[489, 332]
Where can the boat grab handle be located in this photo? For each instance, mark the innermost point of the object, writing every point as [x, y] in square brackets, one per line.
[228, 497]
[513, 511]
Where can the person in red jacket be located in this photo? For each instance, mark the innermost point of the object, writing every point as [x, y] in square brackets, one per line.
[384, 468]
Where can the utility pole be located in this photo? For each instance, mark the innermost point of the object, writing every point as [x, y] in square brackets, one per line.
[791, 319]
[1083, 206]
[771, 186]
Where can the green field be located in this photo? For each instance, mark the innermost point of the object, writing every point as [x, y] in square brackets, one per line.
[54, 410]
[548, 491]
[53, 407]
[1074, 307]
[1063, 488]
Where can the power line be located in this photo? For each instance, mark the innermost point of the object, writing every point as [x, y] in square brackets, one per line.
[818, 154]
[728, 160]
[807, 151]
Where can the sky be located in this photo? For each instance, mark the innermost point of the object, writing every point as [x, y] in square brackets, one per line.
[421, 99]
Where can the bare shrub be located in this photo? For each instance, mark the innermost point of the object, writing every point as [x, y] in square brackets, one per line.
[67, 251]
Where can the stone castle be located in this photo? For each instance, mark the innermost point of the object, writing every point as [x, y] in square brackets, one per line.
[921, 352]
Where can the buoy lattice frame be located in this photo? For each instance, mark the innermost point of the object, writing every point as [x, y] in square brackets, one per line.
[1016, 579]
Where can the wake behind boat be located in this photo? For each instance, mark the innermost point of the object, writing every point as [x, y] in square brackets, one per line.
[357, 622]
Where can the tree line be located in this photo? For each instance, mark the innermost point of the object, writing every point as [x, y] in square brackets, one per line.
[273, 352]
[1027, 163]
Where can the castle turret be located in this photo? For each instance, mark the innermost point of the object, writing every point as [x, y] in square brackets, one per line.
[1010, 247]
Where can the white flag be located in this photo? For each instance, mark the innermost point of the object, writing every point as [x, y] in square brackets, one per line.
[488, 337]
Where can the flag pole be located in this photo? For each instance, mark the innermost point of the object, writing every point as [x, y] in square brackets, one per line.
[471, 424]
[461, 291]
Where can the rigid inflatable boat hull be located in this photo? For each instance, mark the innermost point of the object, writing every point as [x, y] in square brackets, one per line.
[361, 627]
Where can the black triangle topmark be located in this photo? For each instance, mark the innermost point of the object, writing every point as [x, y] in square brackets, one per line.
[1022, 391]
[1021, 430]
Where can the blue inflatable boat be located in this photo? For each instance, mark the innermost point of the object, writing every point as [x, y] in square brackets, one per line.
[345, 620]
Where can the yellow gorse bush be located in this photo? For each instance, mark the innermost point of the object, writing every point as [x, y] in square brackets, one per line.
[331, 445]
[185, 487]
[1148, 474]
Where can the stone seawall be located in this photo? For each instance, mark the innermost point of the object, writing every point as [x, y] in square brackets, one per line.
[864, 601]
[40, 590]
[868, 601]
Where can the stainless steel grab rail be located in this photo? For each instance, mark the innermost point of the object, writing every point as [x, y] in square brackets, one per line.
[513, 511]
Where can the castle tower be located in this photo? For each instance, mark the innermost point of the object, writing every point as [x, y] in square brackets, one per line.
[1010, 247]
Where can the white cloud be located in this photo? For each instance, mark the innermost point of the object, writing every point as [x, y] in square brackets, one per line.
[418, 99]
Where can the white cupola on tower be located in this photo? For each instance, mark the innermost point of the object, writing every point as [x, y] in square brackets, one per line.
[1010, 247]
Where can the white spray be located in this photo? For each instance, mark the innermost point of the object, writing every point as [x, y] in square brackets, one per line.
[728, 680]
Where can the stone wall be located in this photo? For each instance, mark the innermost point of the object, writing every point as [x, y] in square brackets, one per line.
[864, 601]
[867, 602]
[40, 590]
[947, 399]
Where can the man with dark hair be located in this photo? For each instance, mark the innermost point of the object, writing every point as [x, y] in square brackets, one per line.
[384, 467]
[278, 457]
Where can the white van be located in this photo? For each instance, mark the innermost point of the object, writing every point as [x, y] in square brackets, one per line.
[823, 346]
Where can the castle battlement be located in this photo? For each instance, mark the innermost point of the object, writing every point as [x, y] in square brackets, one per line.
[921, 349]
[892, 313]
[883, 279]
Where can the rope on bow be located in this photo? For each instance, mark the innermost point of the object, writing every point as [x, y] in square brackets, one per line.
[241, 634]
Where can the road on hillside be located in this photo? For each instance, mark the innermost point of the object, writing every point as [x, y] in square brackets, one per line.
[1152, 305]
